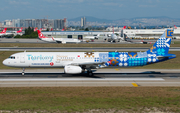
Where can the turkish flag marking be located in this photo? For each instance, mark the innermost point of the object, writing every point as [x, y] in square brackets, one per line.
[110, 61]
[51, 63]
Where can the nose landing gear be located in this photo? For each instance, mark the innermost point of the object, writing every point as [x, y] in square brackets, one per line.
[23, 72]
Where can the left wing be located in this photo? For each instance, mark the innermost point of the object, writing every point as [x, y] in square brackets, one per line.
[88, 63]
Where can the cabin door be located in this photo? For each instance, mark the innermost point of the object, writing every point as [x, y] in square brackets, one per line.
[22, 59]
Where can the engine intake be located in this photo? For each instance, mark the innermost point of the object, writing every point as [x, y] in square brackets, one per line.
[72, 69]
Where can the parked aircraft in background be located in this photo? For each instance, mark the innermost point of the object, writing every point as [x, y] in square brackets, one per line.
[15, 32]
[19, 31]
[92, 38]
[175, 27]
[35, 29]
[3, 32]
[58, 40]
[140, 41]
[78, 62]
[113, 37]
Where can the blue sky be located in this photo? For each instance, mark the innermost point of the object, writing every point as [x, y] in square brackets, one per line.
[104, 9]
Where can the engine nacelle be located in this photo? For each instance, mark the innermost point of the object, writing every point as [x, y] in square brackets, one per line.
[95, 37]
[72, 69]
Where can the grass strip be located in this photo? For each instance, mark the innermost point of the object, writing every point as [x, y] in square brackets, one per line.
[74, 99]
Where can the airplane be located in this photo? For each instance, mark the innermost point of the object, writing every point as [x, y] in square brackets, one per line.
[113, 37]
[3, 32]
[92, 38]
[11, 32]
[19, 30]
[58, 40]
[79, 62]
[15, 32]
[139, 41]
[35, 29]
[175, 27]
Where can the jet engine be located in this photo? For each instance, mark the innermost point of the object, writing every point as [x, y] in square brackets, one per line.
[72, 69]
[95, 37]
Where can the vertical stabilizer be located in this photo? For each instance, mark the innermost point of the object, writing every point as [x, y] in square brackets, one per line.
[19, 30]
[161, 47]
[4, 31]
[40, 34]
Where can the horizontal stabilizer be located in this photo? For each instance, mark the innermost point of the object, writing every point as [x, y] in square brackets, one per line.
[166, 56]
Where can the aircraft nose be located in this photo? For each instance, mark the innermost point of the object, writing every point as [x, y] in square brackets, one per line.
[5, 62]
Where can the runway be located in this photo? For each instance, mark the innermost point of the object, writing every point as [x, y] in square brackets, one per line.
[80, 49]
[102, 77]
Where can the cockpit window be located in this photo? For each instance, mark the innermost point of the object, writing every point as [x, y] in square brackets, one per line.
[12, 57]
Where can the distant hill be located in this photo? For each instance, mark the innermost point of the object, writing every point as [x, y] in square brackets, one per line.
[90, 19]
[146, 21]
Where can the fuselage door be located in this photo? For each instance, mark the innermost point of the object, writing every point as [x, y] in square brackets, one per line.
[22, 58]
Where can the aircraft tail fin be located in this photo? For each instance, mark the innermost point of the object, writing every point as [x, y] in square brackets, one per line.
[40, 34]
[19, 30]
[35, 29]
[161, 46]
[124, 27]
[175, 27]
[4, 30]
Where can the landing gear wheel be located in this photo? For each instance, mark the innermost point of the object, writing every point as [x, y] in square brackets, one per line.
[83, 70]
[90, 73]
[23, 72]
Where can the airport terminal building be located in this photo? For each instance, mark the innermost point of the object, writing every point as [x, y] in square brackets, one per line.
[148, 33]
[130, 33]
[73, 34]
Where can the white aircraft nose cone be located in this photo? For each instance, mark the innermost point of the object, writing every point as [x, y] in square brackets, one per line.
[5, 62]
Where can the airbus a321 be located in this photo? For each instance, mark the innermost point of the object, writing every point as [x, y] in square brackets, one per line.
[79, 62]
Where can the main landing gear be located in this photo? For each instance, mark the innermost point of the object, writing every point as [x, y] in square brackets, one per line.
[89, 72]
[23, 72]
